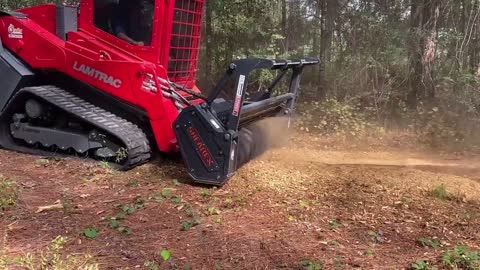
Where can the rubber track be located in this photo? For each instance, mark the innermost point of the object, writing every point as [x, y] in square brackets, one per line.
[133, 138]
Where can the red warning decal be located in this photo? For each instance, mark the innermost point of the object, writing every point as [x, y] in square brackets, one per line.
[202, 149]
[238, 98]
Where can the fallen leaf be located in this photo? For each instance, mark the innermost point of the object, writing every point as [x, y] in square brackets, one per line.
[90, 233]
[165, 254]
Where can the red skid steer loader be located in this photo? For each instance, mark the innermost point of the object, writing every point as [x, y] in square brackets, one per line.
[114, 79]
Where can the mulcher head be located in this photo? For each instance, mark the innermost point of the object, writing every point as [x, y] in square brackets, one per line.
[229, 129]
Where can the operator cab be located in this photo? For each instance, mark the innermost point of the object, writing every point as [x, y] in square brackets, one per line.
[128, 20]
[169, 28]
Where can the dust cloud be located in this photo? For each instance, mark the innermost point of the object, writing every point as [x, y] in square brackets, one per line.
[259, 137]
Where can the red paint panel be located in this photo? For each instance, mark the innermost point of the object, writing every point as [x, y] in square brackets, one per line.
[43, 15]
[111, 65]
[32, 43]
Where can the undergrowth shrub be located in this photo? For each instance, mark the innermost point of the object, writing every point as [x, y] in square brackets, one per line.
[453, 118]
[449, 122]
[335, 118]
[433, 127]
[461, 257]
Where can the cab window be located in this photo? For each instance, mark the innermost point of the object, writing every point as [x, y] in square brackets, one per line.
[128, 20]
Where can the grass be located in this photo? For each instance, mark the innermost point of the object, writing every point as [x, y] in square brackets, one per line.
[122, 154]
[334, 224]
[106, 166]
[459, 258]
[212, 211]
[308, 264]
[376, 236]
[429, 242]
[422, 265]
[187, 225]
[206, 193]
[8, 193]
[440, 192]
[51, 258]
[369, 253]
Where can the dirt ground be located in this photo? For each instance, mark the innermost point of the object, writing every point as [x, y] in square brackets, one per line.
[363, 207]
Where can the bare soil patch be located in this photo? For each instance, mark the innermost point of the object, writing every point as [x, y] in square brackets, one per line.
[344, 208]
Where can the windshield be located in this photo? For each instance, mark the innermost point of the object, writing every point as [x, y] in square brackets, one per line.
[128, 20]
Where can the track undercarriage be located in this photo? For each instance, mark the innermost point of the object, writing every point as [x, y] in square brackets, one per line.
[47, 120]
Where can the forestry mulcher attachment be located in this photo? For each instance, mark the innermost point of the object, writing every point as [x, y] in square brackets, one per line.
[115, 79]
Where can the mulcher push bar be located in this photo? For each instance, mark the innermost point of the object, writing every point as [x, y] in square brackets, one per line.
[208, 134]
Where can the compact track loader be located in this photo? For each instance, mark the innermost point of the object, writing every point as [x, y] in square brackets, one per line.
[114, 80]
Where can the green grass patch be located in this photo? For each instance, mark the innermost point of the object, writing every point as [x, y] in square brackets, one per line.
[429, 242]
[308, 264]
[461, 257]
[440, 192]
[8, 193]
[206, 193]
[422, 265]
[334, 224]
[50, 258]
[188, 224]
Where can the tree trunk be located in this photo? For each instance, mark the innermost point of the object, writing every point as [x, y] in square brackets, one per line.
[431, 15]
[286, 45]
[474, 39]
[208, 41]
[327, 9]
[424, 21]
[415, 53]
[322, 87]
